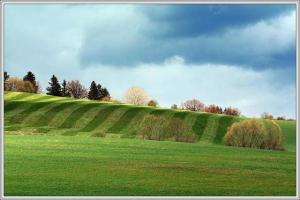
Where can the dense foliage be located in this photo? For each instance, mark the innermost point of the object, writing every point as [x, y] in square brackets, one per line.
[254, 134]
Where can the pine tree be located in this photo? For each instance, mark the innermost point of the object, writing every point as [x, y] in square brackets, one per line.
[6, 76]
[31, 78]
[94, 93]
[99, 87]
[55, 88]
[104, 93]
[64, 90]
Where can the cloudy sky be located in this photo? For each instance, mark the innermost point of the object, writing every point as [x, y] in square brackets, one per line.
[231, 55]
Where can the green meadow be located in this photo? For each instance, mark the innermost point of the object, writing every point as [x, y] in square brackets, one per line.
[49, 150]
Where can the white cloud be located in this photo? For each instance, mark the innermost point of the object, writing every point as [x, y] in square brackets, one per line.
[175, 81]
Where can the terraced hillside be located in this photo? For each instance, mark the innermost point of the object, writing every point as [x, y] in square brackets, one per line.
[43, 114]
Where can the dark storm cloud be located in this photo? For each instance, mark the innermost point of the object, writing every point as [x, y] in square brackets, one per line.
[225, 34]
[193, 20]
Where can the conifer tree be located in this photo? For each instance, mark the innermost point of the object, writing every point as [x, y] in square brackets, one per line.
[94, 93]
[6, 76]
[104, 93]
[31, 78]
[54, 88]
[64, 90]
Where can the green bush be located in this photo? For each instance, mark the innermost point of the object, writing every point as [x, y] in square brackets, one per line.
[180, 131]
[152, 103]
[273, 138]
[153, 128]
[158, 128]
[254, 134]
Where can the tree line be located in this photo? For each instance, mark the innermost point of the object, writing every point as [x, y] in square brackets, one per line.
[71, 88]
[134, 95]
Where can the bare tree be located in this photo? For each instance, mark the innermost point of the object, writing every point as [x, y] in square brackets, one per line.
[39, 89]
[76, 89]
[136, 95]
[17, 84]
[193, 105]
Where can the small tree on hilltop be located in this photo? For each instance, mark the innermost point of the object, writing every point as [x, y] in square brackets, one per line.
[64, 90]
[76, 89]
[18, 85]
[136, 95]
[94, 93]
[104, 94]
[193, 105]
[266, 116]
[174, 106]
[153, 103]
[280, 118]
[213, 109]
[31, 78]
[232, 111]
[54, 89]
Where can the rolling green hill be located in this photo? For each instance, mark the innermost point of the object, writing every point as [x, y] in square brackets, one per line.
[39, 158]
[43, 114]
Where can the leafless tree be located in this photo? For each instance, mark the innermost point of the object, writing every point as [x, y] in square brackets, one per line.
[136, 95]
[193, 105]
[17, 84]
[76, 89]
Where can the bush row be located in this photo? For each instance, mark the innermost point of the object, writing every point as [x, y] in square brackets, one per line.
[158, 128]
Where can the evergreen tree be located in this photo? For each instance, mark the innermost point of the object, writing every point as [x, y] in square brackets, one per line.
[6, 76]
[55, 88]
[94, 93]
[31, 78]
[64, 90]
[104, 93]
[99, 87]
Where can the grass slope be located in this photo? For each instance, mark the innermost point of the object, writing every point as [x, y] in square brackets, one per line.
[40, 160]
[23, 110]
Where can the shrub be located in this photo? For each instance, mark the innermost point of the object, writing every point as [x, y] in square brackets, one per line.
[153, 103]
[174, 106]
[29, 87]
[254, 134]
[248, 133]
[267, 116]
[180, 131]
[153, 128]
[107, 98]
[158, 128]
[280, 118]
[98, 134]
[273, 138]
[231, 111]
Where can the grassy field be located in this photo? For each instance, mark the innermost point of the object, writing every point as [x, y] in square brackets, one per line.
[49, 151]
